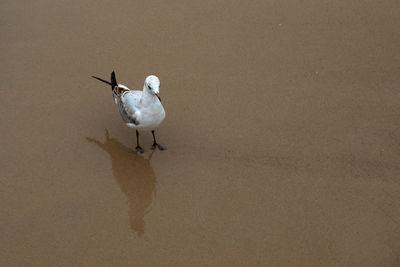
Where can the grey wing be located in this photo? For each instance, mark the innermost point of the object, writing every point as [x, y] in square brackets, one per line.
[127, 106]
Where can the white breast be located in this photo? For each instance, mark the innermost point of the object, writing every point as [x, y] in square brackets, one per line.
[148, 112]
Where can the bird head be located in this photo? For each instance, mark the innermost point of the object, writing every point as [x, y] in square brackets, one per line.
[152, 84]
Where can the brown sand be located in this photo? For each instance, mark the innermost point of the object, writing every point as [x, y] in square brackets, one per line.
[282, 131]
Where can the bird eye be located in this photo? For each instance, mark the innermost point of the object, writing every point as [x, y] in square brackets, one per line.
[150, 87]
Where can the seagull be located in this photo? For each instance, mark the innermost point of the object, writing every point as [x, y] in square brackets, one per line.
[141, 110]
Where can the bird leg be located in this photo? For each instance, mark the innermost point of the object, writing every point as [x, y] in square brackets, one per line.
[138, 147]
[155, 144]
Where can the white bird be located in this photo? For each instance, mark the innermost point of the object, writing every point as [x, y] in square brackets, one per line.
[141, 110]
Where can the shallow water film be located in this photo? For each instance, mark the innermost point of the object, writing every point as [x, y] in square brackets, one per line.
[282, 134]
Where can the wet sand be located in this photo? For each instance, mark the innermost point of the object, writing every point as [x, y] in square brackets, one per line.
[282, 131]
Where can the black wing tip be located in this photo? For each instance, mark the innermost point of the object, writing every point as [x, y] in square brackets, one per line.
[100, 79]
[113, 79]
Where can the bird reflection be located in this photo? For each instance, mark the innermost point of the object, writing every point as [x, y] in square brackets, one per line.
[135, 177]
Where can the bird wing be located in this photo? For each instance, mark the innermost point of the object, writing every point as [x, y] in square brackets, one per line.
[118, 91]
[128, 106]
[126, 99]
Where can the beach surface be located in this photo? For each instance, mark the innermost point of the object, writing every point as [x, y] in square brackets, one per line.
[282, 131]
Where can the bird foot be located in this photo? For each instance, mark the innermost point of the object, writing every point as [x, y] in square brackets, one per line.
[139, 149]
[155, 145]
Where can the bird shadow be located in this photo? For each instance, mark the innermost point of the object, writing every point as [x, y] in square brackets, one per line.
[135, 178]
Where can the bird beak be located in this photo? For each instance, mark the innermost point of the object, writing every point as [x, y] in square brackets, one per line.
[158, 96]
